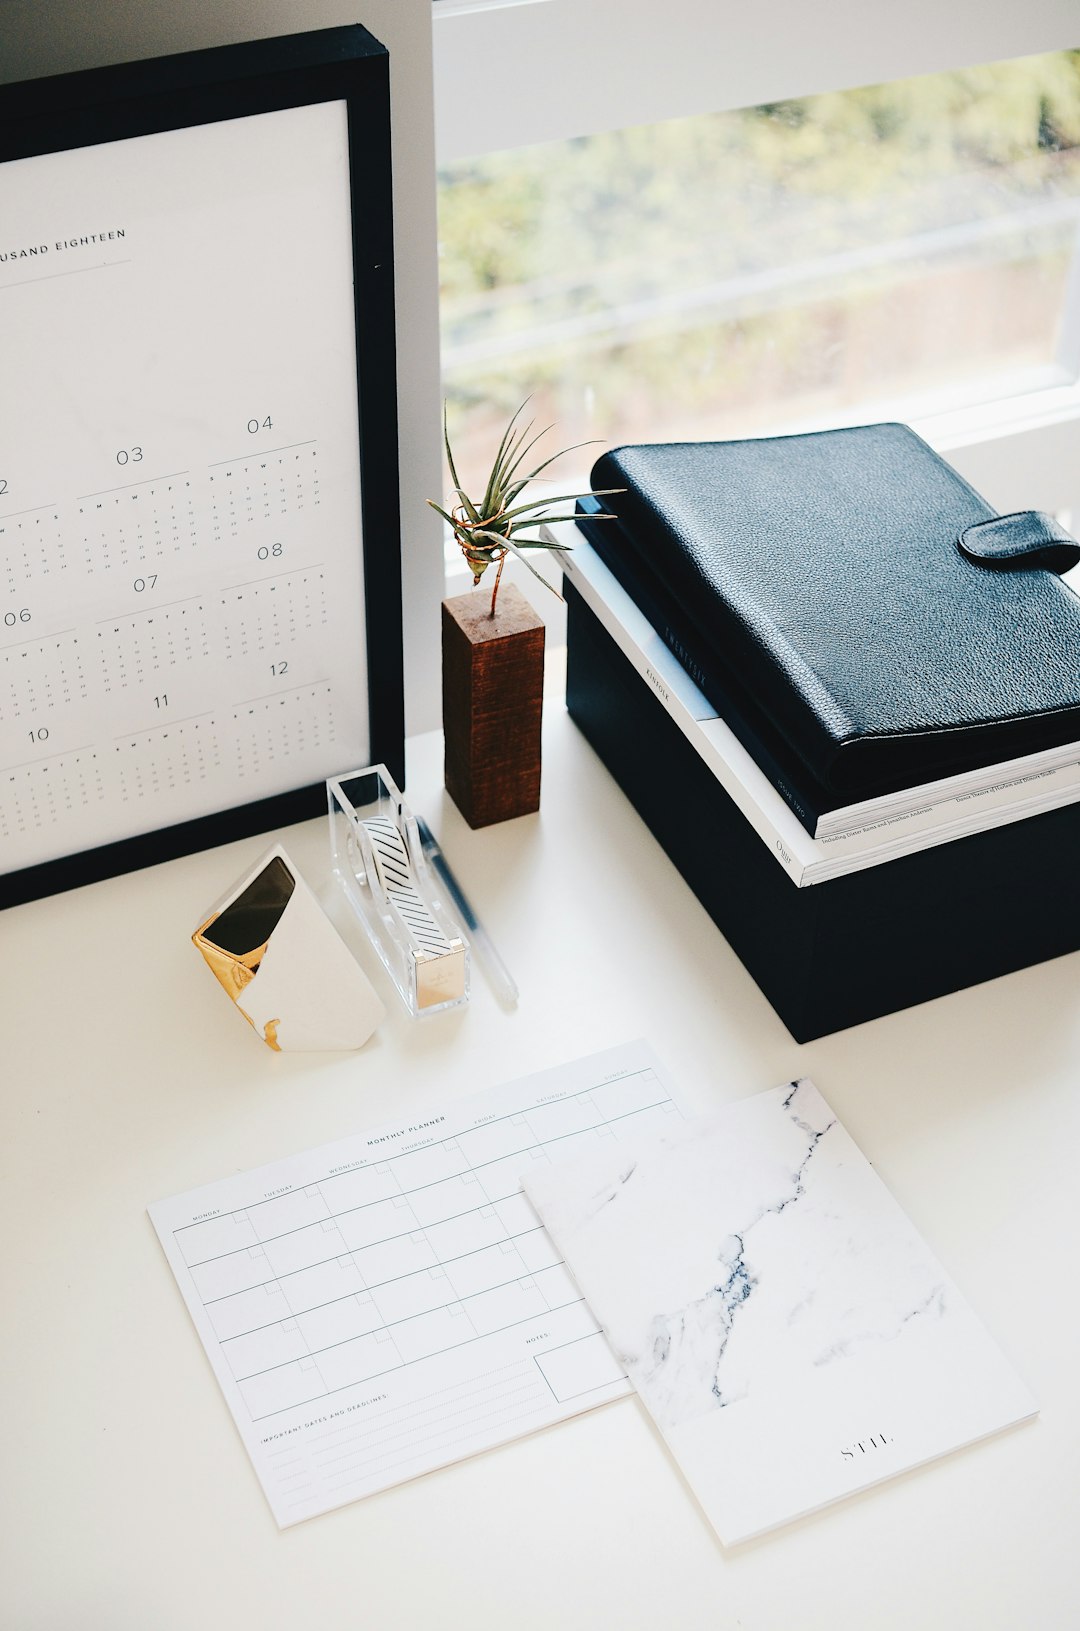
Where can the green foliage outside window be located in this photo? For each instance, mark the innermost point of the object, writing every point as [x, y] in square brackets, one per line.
[693, 275]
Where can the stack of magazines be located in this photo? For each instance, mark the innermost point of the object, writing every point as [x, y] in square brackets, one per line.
[870, 660]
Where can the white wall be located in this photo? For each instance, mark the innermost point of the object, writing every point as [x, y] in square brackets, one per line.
[44, 38]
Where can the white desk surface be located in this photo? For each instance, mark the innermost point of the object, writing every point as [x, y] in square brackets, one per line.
[128, 1500]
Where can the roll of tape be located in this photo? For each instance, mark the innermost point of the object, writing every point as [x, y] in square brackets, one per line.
[399, 885]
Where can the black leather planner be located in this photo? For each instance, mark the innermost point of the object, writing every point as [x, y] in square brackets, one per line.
[889, 624]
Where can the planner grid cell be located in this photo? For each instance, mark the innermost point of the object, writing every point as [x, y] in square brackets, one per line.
[258, 489]
[152, 763]
[385, 1267]
[32, 547]
[145, 645]
[39, 675]
[281, 727]
[36, 795]
[140, 524]
[399, 1439]
[272, 615]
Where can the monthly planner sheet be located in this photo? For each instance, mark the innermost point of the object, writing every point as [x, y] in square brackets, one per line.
[390, 1303]
[181, 584]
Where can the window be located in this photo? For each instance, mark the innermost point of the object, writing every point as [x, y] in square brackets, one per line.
[896, 251]
[903, 250]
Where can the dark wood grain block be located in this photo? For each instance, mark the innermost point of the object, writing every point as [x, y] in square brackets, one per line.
[492, 687]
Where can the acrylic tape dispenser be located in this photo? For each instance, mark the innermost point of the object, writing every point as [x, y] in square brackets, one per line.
[379, 860]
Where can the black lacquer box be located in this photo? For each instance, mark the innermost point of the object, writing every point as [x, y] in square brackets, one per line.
[852, 948]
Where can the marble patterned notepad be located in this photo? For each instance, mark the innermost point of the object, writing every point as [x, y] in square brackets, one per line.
[789, 1330]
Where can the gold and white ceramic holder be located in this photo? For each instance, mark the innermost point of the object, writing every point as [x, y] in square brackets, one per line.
[271, 946]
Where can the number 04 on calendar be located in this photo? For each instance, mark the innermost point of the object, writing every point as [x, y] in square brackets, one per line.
[199, 452]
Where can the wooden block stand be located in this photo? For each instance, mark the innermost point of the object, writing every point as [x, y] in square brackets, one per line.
[492, 688]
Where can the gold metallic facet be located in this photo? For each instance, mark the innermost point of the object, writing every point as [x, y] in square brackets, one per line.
[234, 970]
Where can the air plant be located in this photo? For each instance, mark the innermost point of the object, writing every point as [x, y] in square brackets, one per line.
[495, 526]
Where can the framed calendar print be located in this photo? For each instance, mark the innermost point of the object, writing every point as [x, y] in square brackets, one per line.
[200, 579]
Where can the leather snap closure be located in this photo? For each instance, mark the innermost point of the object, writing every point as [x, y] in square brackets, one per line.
[1027, 538]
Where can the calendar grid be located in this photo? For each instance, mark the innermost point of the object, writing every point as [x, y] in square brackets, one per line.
[375, 1285]
[423, 1276]
[388, 1324]
[141, 679]
[389, 1303]
[153, 656]
[269, 1241]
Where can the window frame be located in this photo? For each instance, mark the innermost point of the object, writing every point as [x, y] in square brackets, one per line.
[575, 67]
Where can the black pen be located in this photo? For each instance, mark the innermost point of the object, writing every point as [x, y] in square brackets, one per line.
[499, 976]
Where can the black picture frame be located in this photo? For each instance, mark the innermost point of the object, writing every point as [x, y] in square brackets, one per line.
[102, 105]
